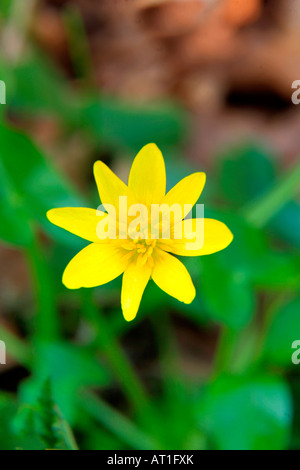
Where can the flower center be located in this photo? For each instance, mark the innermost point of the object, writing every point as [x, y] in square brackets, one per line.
[142, 249]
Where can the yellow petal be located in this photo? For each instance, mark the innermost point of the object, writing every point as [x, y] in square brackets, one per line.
[172, 277]
[95, 265]
[135, 279]
[147, 178]
[209, 237]
[185, 193]
[78, 220]
[110, 188]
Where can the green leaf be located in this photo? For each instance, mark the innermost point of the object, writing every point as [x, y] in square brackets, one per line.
[49, 92]
[277, 270]
[286, 224]
[112, 123]
[283, 331]
[48, 417]
[246, 172]
[70, 368]
[120, 124]
[8, 409]
[16, 436]
[5, 8]
[264, 209]
[228, 278]
[41, 426]
[228, 295]
[25, 426]
[246, 413]
[247, 247]
[15, 227]
[29, 187]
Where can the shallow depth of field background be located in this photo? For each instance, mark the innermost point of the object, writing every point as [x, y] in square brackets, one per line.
[209, 81]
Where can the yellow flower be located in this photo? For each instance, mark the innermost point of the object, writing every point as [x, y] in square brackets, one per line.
[143, 256]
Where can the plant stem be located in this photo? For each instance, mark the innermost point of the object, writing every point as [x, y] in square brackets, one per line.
[224, 352]
[78, 43]
[117, 423]
[126, 375]
[47, 326]
[244, 352]
[172, 376]
[175, 387]
[261, 212]
[268, 317]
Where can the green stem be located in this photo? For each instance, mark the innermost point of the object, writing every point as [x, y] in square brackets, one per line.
[78, 43]
[174, 383]
[175, 387]
[47, 326]
[268, 317]
[224, 352]
[117, 423]
[244, 352]
[123, 370]
[261, 212]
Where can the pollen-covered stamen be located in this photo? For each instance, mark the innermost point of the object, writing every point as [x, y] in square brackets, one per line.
[142, 248]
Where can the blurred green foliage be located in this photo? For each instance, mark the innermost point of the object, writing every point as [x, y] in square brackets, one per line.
[250, 291]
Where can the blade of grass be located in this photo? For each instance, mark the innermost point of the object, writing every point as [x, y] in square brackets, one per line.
[47, 325]
[277, 302]
[127, 377]
[226, 344]
[117, 423]
[260, 212]
[172, 376]
[175, 387]
[78, 43]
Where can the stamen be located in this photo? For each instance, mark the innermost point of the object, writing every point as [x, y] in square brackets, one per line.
[142, 248]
